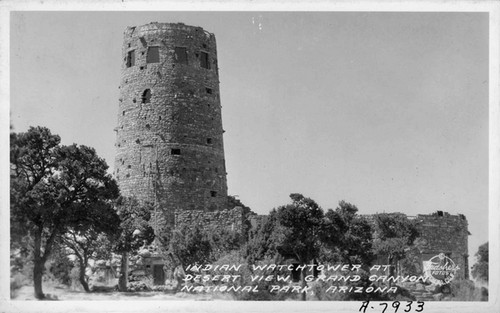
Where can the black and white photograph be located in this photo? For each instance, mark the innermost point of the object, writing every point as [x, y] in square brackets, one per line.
[333, 157]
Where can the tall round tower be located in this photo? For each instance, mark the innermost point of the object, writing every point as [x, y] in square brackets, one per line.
[169, 136]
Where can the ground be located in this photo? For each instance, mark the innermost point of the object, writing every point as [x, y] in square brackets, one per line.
[60, 293]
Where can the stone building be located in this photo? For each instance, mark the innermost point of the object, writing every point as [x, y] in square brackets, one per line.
[169, 145]
[442, 232]
[439, 232]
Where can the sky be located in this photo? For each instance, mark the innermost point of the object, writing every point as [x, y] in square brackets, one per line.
[387, 111]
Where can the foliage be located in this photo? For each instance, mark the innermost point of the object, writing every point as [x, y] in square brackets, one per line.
[299, 229]
[395, 234]
[480, 269]
[196, 245]
[190, 246]
[54, 188]
[60, 266]
[134, 229]
[302, 231]
[260, 244]
[347, 235]
[465, 290]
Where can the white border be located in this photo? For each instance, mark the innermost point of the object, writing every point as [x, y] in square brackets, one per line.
[493, 7]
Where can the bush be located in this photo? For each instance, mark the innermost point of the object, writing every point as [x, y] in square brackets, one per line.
[466, 290]
[17, 281]
[137, 286]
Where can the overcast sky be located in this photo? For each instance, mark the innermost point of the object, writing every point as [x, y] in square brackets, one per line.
[388, 111]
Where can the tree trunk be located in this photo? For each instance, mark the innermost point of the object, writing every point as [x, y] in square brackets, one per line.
[37, 278]
[39, 264]
[123, 280]
[391, 269]
[83, 281]
[303, 283]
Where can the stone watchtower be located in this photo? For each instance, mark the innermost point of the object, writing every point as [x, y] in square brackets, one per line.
[169, 148]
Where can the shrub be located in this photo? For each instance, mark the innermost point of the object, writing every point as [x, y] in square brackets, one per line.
[465, 290]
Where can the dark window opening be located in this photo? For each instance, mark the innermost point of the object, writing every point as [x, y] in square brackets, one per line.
[440, 213]
[175, 151]
[158, 274]
[209, 141]
[204, 60]
[123, 113]
[213, 193]
[134, 101]
[131, 58]
[141, 68]
[148, 126]
[137, 141]
[129, 166]
[466, 267]
[159, 118]
[209, 90]
[153, 55]
[146, 96]
[181, 55]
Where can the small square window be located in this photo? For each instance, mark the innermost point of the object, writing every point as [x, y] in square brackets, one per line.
[146, 96]
[204, 62]
[213, 194]
[181, 55]
[175, 151]
[153, 55]
[131, 58]
[209, 90]
[209, 141]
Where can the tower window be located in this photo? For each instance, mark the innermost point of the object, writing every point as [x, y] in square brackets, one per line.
[209, 141]
[131, 58]
[181, 55]
[209, 90]
[175, 151]
[204, 60]
[213, 193]
[146, 96]
[153, 55]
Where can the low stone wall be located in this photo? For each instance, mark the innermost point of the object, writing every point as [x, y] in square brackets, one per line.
[232, 219]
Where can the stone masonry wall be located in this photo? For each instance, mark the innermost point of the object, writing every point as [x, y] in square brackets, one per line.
[169, 145]
[232, 219]
[441, 232]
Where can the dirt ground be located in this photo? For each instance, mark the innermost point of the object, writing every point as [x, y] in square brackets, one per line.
[60, 293]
